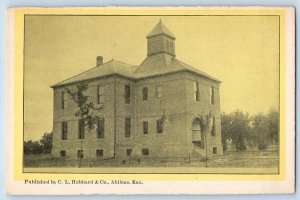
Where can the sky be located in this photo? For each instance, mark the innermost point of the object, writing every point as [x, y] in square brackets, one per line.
[241, 51]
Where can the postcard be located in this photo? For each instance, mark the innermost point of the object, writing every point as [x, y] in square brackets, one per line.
[150, 100]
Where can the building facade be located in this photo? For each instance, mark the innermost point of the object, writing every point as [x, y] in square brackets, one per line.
[151, 110]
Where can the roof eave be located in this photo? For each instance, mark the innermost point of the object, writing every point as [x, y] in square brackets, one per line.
[137, 78]
[170, 36]
[89, 79]
[178, 71]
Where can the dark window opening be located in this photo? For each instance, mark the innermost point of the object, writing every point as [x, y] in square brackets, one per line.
[64, 135]
[213, 127]
[129, 152]
[81, 127]
[159, 126]
[196, 91]
[62, 100]
[100, 129]
[127, 127]
[99, 153]
[145, 127]
[215, 151]
[80, 154]
[145, 93]
[212, 96]
[127, 94]
[145, 152]
[63, 153]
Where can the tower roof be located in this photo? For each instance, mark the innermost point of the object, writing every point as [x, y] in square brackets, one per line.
[160, 28]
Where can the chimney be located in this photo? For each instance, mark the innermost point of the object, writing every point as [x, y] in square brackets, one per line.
[99, 60]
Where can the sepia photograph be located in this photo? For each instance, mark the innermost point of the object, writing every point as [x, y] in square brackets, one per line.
[151, 91]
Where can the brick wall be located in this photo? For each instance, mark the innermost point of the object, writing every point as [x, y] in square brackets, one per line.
[177, 103]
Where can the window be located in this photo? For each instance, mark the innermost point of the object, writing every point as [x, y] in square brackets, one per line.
[129, 152]
[151, 48]
[196, 91]
[213, 127]
[145, 93]
[99, 153]
[215, 151]
[80, 154]
[172, 47]
[145, 152]
[100, 128]
[145, 127]
[63, 153]
[168, 45]
[127, 94]
[100, 94]
[158, 91]
[212, 96]
[64, 126]
[159, 126]
[62, 100]
[127, 127]
[81, 127]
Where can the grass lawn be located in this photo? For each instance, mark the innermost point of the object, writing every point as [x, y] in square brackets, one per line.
[232, 159]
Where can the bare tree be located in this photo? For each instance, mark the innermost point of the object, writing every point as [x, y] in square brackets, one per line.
[86, 112]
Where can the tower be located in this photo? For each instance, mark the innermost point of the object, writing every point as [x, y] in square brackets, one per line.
[160, 40]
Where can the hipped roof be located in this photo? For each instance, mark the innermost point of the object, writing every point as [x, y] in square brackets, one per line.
[159, 64]
[160, 28]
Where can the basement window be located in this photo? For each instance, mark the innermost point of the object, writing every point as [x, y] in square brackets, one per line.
[99, 153]
[145, 152]
[63, 153]
[128, 152]
[80, 154]
[215, 151]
